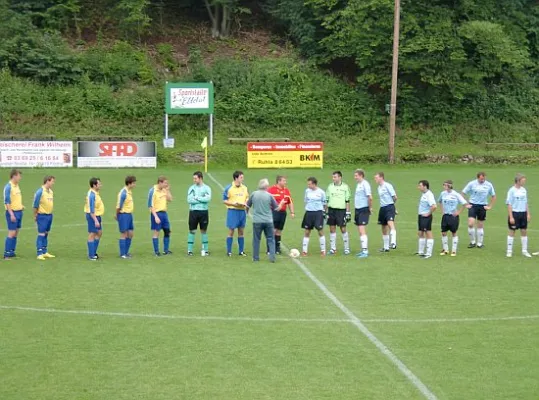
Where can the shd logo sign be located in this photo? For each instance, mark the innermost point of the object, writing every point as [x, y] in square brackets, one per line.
[309, 157]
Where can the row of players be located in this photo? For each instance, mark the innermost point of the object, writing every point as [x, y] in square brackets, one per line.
[332, 205]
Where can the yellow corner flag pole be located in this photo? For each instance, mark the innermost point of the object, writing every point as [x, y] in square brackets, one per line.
[204, 145]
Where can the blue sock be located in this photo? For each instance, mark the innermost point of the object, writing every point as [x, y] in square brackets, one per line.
[7, 247]
[127, 245]
[229, 244]
[91, 249]
[45, 243]
[14, 244]
[205, 242]
[241, 243]
[155, 242]
[96, 245]
[166, 243]
[123, 246]
[190, 242]
[39, 245]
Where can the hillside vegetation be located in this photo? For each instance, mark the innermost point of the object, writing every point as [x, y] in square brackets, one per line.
[304, 69]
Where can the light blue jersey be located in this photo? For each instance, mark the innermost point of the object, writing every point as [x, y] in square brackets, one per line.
[426, 201]
[450, 201]
[386, 192]
[363, 192]
[517, 198]
[198, 197]
[315, 199]
[479, 192]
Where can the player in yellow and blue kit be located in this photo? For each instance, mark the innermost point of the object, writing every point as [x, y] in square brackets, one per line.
[43, 206]
[14, 208]
[94, 210]
[124, 216]
[235, 197]
[158, 199]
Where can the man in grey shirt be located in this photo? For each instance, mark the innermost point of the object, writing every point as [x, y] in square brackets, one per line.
[262, 204]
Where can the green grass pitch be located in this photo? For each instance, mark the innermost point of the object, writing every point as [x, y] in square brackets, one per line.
[227, 328]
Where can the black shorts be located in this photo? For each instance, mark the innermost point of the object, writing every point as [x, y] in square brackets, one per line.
[424, 224]
[521, 221]
[386, 214]
[478, 212]
[336, 217]
[313, 220]
[198, 218]
[361, 216]
[279, 219]
[450, 223]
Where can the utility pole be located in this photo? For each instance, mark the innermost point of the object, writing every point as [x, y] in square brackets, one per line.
[394, 83]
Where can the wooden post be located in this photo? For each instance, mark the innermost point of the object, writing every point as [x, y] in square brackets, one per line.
[394, 83]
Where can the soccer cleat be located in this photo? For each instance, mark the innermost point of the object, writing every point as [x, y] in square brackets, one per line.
[190, 253]
[125, 257]
[92, 258]
[509, 255]
[444, 253]
[471, 245]
[157, 254]
[393, 246]
[536, 253]
[167, 253]
[229, 254]
[453, 254]
[7, 258]
[526, 254]
[346, 252]
[278, 253]
[96, 256]
[332, 252]
[480, 246]
[48, 255]
[41, 257]
[362, 255]
[304, 254]
[243, 254]
[322, 253]
[419, 254]
[427, 256]
[204, 253]
[384, 250]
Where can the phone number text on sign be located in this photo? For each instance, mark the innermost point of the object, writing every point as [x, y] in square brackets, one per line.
[285, 155]
[36, 154]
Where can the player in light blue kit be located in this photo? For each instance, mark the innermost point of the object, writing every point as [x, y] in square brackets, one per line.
[519, 215]
[479, 191]
[363, 210]
[387, 213]
[427, 205]
[450, 199]
[315, 201]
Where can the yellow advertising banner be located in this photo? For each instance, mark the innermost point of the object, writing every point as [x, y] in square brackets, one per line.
[285, 155]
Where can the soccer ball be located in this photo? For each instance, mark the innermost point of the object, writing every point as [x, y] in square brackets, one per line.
[294, 253]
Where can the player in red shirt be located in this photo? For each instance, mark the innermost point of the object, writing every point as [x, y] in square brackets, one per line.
[280, 192]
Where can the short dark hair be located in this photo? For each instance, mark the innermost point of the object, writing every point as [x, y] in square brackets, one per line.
[130, 179]
[279, 178]
[236, 174]
[313, 180]
[14, 172]
[381, 174]
[161, 179]
[337, 173]
[198, 174]
[48, 178]
[480, 174]
[425, 183]
[93, 182]
[360, 172]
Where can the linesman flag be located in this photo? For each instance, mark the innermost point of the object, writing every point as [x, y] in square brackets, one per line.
[204, 143]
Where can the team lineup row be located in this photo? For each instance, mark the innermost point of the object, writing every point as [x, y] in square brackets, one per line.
[269, 207]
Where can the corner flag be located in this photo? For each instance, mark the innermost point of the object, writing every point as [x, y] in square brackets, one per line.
[204, 145]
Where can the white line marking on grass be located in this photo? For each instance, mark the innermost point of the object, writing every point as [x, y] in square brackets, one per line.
[449, 320]
[173, 317]
[362, 328]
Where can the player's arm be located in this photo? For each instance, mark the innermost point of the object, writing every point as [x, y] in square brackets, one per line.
[290, 203]
[327, 196]
[121, 201]
[529, 216]
[432, 207]
[91, 205]
[191, 196]
[393, 193]
[509, 203]
[492, 200]
[7, 202]
[151, 204]
[277, 206]
[37, 200]
[466, 189]
[207, 196]
[347, 199]
[226, 198]
[169, 194]
[249, 201]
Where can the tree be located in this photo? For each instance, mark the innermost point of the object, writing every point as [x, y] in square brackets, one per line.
[222, 14]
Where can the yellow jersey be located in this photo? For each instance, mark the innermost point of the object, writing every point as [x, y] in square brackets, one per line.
[125, 201]
[94, 204]
[44, 200]
[157, 199]
[236, 194]
[13, 196]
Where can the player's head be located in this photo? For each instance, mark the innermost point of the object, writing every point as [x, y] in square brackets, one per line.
[423, 185]
[520, 179]
[263, 184]
[130, 181]
[281, 181]
[238, 177]
[481, 177]
[162, 182]
[312, 182]
[48, 181]
[359, 175]
[379, 178]
[95, 183]
[198, 177]
[15, 175]
[337, 177]
[448, 184]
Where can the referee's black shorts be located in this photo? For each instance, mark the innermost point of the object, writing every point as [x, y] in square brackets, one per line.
[279, 219]
[198, 218]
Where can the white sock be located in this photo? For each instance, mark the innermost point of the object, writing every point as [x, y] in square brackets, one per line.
[430, 245]
[421, 248]
[480, 236]
[364, 243]
[455, 244]
[386, 241]
[346, 240]
[445, 243]
[322, 243]
[471, 234]
[305, 244]
[510, 240]
[393, 234]
[333, 241]
[524, 241]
